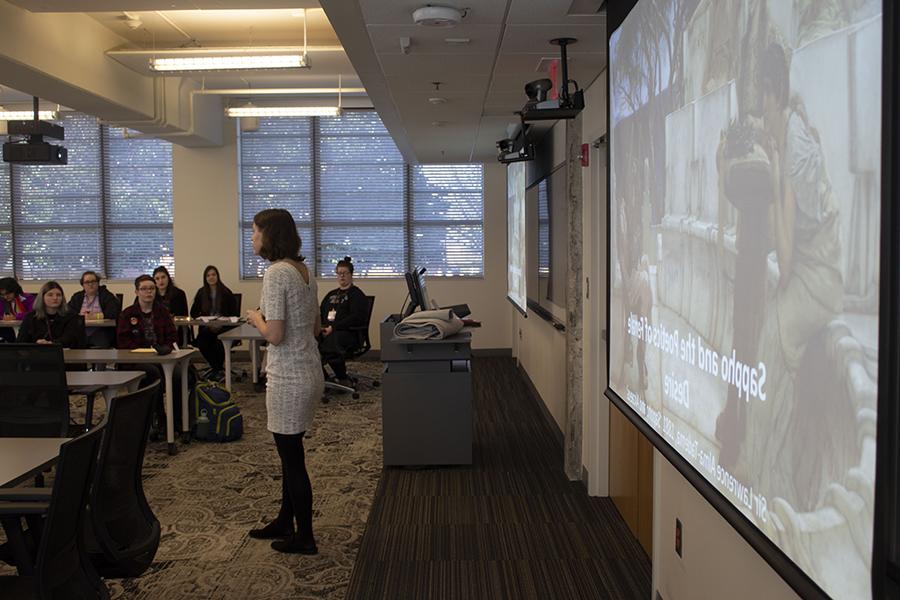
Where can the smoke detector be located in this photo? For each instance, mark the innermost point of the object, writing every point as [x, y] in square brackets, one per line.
[437, 16]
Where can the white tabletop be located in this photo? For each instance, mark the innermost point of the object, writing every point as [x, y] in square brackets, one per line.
[245, 332]
[105, 378]
[94, 355]
[20, 458]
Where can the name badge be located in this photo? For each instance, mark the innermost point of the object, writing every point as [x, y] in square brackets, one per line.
[332, 314]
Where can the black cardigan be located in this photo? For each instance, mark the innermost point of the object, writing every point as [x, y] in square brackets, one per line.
[178, 305]
[66, 330]
[109, 304]
[227, 306]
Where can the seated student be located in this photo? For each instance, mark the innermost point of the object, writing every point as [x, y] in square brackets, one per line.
[342, 308]
[214, 299]
[51, 321]
[146, 324]
[94, 301]
[168, 294]
[14, 305]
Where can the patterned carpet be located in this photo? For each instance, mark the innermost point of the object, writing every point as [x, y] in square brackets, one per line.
[209, 495]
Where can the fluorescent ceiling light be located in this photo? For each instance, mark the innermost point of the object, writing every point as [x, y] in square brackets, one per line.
[230, 62]
[283, 111]
[27, 115]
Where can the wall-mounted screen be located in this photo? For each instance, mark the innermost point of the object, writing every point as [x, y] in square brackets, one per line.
[745, 190]
[515, 234]
[546, 222]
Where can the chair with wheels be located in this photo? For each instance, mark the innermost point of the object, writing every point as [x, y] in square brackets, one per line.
[362, 346]
[60, 568]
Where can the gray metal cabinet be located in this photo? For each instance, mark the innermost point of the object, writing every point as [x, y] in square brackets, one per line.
[426, 399]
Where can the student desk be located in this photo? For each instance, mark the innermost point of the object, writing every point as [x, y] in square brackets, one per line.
[426, 399]
[88, 323]
[167, 362]
[245, 331]
[20, 458]
[111, 383]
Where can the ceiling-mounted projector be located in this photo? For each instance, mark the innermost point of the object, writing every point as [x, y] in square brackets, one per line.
[33, 150]
[437, 16]
[566, 106]
[516, 147]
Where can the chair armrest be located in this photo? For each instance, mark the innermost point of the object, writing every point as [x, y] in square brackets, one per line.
[18, 509]
[26, 494]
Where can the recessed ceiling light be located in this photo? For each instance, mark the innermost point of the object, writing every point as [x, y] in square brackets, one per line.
[439, 123]
[437, 100]
[437, 16]
[457, 41]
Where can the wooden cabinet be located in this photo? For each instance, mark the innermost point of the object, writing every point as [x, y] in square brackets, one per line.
[631, 477]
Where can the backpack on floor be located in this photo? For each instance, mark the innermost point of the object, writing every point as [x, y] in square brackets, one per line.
[216, 417]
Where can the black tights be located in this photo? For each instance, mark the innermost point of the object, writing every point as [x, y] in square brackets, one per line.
[296, 489]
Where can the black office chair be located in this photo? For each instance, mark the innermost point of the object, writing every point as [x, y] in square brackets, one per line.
[61, 568]
[122, 533]
[121, 299]
[34, 396]
[363, 345]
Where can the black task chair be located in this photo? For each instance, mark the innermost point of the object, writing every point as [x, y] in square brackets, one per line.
[122, 533]
[362, 346]
[121, 299]
[61, 568]
[34, 397]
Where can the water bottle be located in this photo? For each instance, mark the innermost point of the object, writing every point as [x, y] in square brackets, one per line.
[202, 425]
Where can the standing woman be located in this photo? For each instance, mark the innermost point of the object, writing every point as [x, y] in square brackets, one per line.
[288, 319]
[168, 294]
[51, 321]
[214, 299]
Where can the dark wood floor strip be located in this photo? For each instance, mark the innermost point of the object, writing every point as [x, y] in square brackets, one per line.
[509, 526]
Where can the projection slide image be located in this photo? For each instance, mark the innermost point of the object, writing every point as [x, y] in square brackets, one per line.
[515, 233]
[745, 217]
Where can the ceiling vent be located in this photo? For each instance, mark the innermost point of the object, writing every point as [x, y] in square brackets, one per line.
[437, 16]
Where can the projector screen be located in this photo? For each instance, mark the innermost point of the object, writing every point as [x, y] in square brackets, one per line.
[745, 195]
[515, 234]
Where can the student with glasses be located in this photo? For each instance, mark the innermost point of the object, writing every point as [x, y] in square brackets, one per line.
[343, 307]
[95, 302]
[14, 305]
[146, 324]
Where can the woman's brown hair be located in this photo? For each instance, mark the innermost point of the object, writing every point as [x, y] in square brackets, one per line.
[279, 234]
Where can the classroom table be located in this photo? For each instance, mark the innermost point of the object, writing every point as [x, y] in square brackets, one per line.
[111, 383]
[246, 331]
[186, 325]
[167, 362]
[21, 458]
[88, 323]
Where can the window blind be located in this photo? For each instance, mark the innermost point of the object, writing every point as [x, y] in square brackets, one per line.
[109, 209]
[346, 184]
[6, 237]
[543, 229]
[447, 219]
[57, 210]
[138, 204]
[276, 172]
[360, 193]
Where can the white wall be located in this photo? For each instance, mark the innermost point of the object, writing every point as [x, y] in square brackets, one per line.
[716, 562]
[206, 232]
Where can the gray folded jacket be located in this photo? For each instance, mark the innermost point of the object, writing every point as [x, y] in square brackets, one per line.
[428, 325]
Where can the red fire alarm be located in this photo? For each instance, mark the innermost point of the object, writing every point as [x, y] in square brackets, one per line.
[585, 155]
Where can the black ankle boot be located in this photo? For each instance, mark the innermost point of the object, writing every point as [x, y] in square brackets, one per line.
[295, 545]
[273, 531]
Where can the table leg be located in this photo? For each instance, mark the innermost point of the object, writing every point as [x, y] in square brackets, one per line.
[185, 402]
[89, 410]
[227, 345]
[169, 371]
[254, 360]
